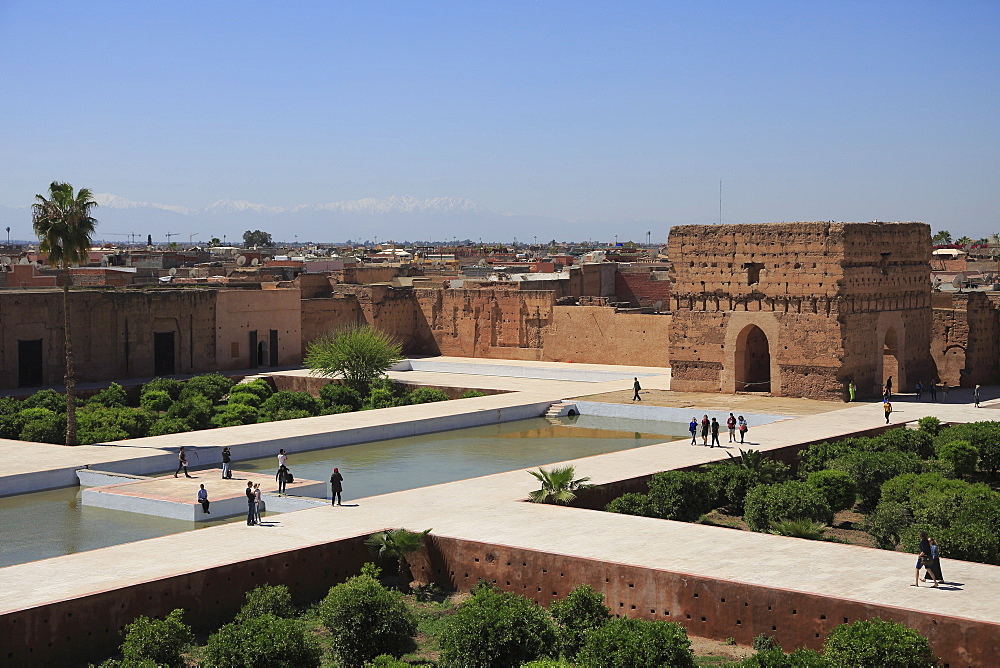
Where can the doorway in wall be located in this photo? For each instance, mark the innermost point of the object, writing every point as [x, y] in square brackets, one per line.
[753, 361]
[163, 354]
[29, 363]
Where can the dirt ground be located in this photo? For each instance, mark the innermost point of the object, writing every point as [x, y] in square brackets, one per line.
[737, 403]
[705, 647]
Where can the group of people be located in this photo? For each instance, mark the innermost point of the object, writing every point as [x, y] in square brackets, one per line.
[711, 428]
[929, 559]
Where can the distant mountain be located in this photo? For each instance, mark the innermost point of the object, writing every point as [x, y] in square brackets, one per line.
[400, 218]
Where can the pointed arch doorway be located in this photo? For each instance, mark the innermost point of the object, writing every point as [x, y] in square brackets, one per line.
[753, 360]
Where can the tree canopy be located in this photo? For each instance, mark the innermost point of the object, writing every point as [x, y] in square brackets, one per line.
[256, 238]
[359, 354]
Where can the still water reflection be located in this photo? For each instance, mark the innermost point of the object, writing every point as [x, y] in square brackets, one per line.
[53, 523]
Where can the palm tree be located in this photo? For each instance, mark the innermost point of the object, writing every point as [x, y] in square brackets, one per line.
[64, 226]
[397, 544]
[964, 241]
[558, 485]
[941, 238]
[749, 459]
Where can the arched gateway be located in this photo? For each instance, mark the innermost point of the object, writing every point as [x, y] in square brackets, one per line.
[753, 360]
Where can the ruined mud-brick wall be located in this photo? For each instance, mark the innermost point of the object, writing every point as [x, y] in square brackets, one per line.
[599, 335]
[965, 339]
[824, 294]
[261, 314]
[112, 331]
[642, 287]
[321, 315]
[490, 322]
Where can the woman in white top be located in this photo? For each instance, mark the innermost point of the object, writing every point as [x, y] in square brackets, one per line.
[256, 496]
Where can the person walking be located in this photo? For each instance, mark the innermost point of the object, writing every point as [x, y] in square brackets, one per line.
[257, 503]
[182, 463]
[731, 424]
[924, 559]
[705, 427]
[203, 500]
[282, 477]
[888, 387]
[936, 556]
[887, 407]
[920, 390]
[933, 388]
[975, 396]
[635, 391]
[336, 487]
[226, 459]
[251, 505]
[715, 433]
[852, 391]
[743, 427]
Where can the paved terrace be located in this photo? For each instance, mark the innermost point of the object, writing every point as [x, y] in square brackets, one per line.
[491, 510]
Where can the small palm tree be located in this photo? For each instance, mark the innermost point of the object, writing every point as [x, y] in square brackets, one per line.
[397, 544]
[799, 529]
[558, 485]
[64, 227]
[964, 241]
[749, 459]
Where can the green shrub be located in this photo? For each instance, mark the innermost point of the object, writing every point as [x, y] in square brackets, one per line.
[875, 643]
[232, 415]
[48, 399]
[472, 394]
[636, 643]
[732, 484]
[966, 540]
[940, 466]
[930, 424]
[158, 640]
[818, 456]
[785, 501]
[837, 486]
[582, 611]
[916, 441]
[887, 523]
[167, 425]
[337, 410]
[426, 395]
[40, 425]
[168, 385]
[763, 642]
[267, 600]
[869, 470]
[386, 661]
[548, 663]
[632, 503]
[382, 398]
[283, 414]
[496, 629]
[263, 641]
[335, 394]
[279, 404]
[245, 399]
[195, 410]
[155, 400]
[10, 426]
[99, 424]
[257, 386]
[984, 437]
[681, 495]
[365, 620]
[112, 396]
[212, 386]
[9, 406]
[962, 455]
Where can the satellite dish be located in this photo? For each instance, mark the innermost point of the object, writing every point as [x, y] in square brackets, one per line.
[23, 260]
[657, 306]
[267, 257]
[957, 281]
[5, 260]
[241, 260]
[172, 271]
[254, 262]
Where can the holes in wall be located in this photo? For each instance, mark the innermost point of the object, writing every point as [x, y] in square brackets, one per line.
[822, 616]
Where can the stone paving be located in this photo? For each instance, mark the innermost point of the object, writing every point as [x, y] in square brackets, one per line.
[491, 509]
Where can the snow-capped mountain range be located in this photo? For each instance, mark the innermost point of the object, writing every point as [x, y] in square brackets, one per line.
[400, 217]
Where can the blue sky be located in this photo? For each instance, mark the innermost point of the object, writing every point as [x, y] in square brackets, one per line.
[614, 115]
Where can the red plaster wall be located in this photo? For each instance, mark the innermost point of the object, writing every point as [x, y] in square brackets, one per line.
[642, 287]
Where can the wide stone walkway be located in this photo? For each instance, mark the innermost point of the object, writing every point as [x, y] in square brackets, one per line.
[492, 510]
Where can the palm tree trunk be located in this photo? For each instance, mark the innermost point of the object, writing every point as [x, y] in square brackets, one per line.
[69, 379]
[405, 575]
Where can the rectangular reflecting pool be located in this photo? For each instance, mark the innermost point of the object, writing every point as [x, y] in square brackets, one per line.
[53, 523]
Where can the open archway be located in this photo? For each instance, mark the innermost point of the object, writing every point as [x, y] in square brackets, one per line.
[890, 360]
[753, 361]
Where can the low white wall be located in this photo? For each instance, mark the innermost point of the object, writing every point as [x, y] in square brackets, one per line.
[667, 413]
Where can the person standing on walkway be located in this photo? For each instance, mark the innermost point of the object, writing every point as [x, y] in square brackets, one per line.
[936, 555]
[888, 388]
[257, 502]
[920, 390]
[226, 459]
[693, 428]
[887, 407]
[182, 463]
[975, 396]
[336, 487]
[731, 424]
[282, 477]
[203, 500]
[944, 392]
[705, 427]
[924, 559]
[933, 387]
[715, 433]
[743, 427]
[852, 391]
[282, 458]
[635, 391]
[251, 505]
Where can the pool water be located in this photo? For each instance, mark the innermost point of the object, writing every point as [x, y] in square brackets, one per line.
[53, 523]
